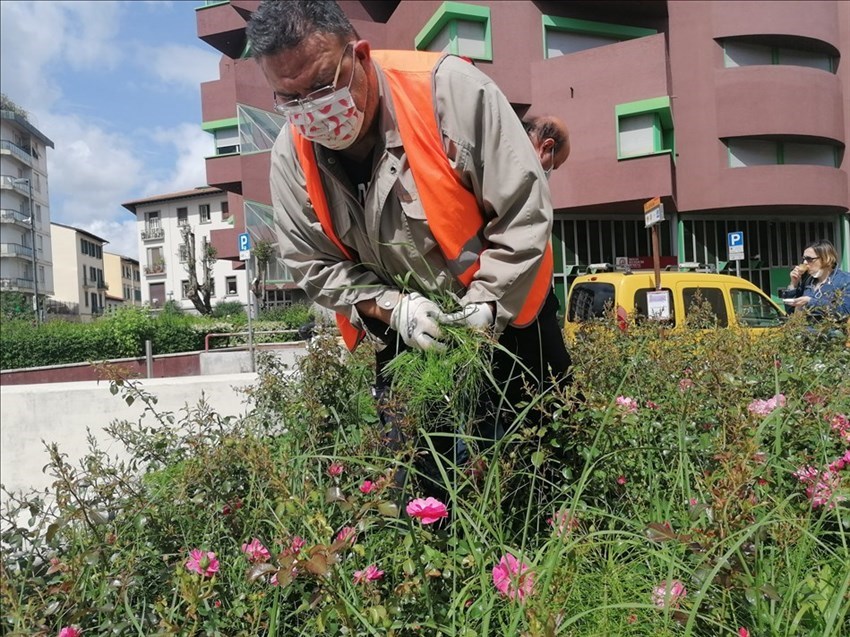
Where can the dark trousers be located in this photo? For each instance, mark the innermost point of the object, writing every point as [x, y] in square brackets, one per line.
[534, 358]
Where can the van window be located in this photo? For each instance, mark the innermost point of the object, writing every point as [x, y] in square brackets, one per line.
[589, 301]
[753, 309]
[705, 307]
[641, 305]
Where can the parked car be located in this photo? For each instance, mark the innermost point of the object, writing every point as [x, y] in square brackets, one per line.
[730, 301]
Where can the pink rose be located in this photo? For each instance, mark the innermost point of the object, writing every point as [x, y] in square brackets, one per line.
[685, 384]
[428, 510]
[743, 632]
[255, 551]
[764, 407]
[347, 534]
[621, 480]
[628, 405]
[70, 631]
[204, 564]
[367, 487]
[368, 574]
[512, 579]
[669, 596]
[335, 469]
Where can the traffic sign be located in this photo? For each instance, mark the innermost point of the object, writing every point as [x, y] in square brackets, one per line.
[735, 243]
[653, 212]
[244, 242]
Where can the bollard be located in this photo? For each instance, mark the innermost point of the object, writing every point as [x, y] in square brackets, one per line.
[149, 358]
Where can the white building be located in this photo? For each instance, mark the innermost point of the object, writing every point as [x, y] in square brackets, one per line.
[25, 246]
[163, 255]
[80, 281]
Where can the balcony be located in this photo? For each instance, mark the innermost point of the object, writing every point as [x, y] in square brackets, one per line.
[14, 216]
[8, 181]
[23, 154]
[156, 269]
[14, 285]
[152, 233]
[15, 250]
[102, 285]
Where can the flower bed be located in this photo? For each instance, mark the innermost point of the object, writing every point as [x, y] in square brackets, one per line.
[700, 489]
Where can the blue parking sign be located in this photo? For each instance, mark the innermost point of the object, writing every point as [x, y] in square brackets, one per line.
[244, 242]
[736, 246]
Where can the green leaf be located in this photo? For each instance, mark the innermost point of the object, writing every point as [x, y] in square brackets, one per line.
[538, 458]
[258, 570]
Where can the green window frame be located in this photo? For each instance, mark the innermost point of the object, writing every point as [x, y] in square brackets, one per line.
[620, 32]
[659, 108]
[214, 125]
[450, 13]
[211, 3]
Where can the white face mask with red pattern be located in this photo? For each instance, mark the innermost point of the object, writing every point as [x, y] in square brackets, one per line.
[333, 121]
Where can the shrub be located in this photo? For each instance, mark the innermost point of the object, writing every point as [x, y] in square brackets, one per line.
[227, 309]
[292, 316]
[716, 506]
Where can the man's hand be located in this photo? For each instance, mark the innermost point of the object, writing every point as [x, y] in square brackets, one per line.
[415, 319]
[478, 316]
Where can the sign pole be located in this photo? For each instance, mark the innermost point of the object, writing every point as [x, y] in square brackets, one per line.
[656, 256]
[244, 245]
[250, 309]
[653, 212]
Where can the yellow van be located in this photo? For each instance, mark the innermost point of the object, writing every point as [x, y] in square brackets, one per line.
[631, 295]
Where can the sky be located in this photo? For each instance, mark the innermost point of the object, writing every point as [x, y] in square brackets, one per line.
[116, 86]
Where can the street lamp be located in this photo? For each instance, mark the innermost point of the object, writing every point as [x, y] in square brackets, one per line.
[35, 307]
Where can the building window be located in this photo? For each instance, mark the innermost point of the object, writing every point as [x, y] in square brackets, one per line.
[204, 212]
[226, 140]
[38, 213]
[39, 240]
[230, 285]
[644, 128]
[225, 211]
[563, 36]
[184, 288]
[212, 287]
[152, 219]
[84, 246]
[182, 216]
[41, 274]
[740, 52]
[183, 253]
[92, 274]
[458, 28]
[745, 152]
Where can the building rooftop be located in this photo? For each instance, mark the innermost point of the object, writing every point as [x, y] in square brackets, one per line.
[81, 231]
[24, 123]
[123, 257]
[183, 194]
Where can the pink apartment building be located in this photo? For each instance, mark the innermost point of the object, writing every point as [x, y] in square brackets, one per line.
[735, 114]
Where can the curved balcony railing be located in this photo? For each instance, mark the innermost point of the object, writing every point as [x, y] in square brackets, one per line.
[16, 284]
[21, 153]
[8, 215]
[152, 233]
[15, 250]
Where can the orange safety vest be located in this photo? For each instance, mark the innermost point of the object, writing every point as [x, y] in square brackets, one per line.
[453, 214]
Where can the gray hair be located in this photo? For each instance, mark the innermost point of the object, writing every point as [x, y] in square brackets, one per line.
[544, 127]
[280, 25]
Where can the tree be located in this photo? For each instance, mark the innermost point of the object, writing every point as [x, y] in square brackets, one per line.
[199, 290]
[264, 252]
[6, 104]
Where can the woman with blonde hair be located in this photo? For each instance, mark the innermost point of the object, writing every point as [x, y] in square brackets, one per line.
[817, 285]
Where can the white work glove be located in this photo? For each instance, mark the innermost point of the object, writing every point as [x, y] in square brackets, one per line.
[478, 316]
[415, 319]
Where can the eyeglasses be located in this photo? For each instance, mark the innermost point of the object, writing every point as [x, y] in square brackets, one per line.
[291, 106]
[809, 259]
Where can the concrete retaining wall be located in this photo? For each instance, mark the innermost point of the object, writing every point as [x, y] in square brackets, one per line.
[61, 412]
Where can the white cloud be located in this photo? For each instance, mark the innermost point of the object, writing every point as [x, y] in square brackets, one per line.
[191, 146]
[181, 65]
[122, 235]
[38, 38]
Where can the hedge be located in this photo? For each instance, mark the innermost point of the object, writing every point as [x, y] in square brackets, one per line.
[122, 334]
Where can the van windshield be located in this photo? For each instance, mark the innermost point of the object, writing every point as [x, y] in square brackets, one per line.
[590, 301]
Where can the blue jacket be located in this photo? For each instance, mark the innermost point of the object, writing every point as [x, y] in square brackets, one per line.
[833, 298]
